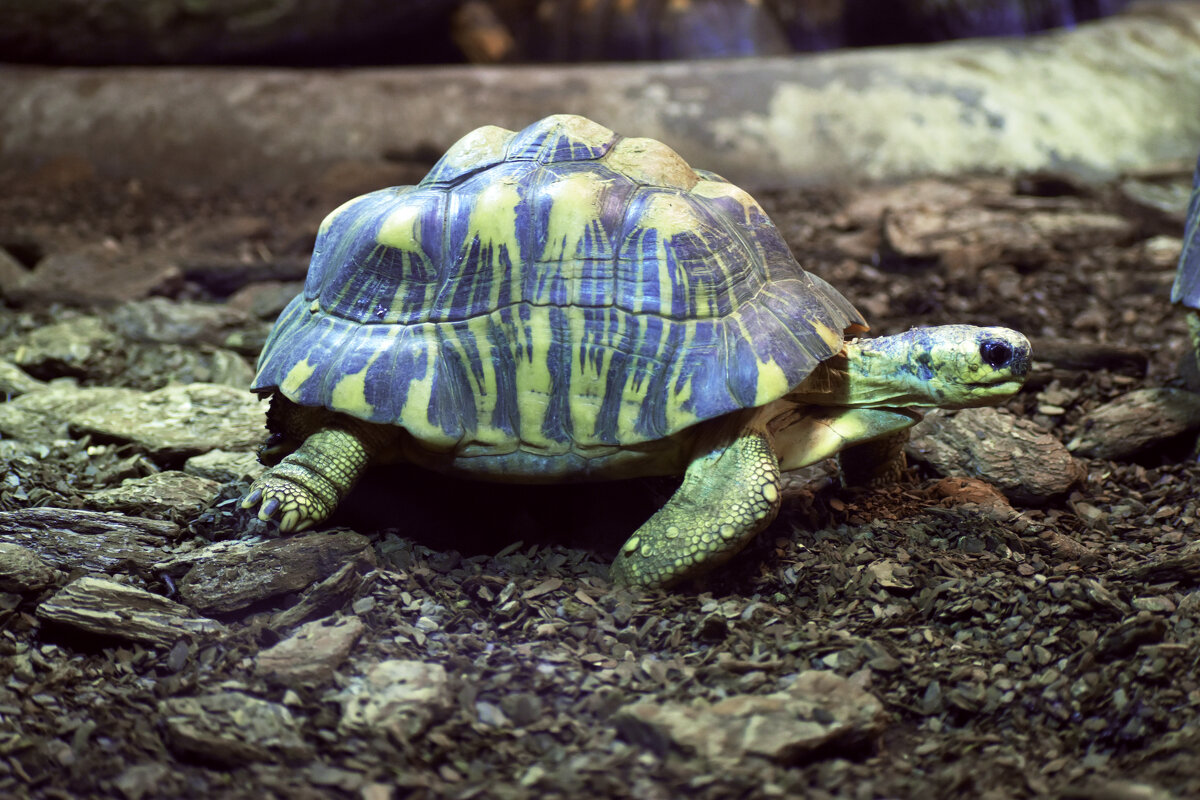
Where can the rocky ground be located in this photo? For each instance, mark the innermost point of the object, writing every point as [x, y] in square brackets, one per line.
[1017, 618]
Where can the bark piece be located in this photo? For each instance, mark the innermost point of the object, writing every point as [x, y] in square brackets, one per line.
[93, 541]
[241, 576]
[1136, 421]
[328, 595]
[1091, 356]
[310, 655]
[232, 728]
[1021, 459]
[397, 698]
[820, 711]
[165, 495]
[176, 422]
[108, 608]
[23, 570]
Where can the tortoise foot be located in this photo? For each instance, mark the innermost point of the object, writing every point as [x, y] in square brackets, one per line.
[293, 493]
[727, 497]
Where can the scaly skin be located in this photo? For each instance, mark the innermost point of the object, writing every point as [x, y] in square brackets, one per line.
[306, 486]
[728, 495]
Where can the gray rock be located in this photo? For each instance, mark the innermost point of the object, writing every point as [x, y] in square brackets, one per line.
[397, 698]
[1021, 459]
[225, 466]
[23, 570]
[170, 495]
[157, 319]
[108, 608]
[178, 421]
[232, 727]
[15, 381]
[239, 576]
[101, 273]
[310, 655]
[1135, 421]
[42, 416]
[820, 710]
[72, 347]
[266, 299]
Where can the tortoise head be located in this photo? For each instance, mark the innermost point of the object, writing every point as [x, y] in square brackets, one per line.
[949, 366]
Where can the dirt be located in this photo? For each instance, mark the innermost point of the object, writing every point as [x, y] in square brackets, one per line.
[1048, 652]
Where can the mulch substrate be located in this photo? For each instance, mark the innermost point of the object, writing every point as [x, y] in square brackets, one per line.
[1018, 651]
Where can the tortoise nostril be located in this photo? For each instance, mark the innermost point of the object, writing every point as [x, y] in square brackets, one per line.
[996, 353]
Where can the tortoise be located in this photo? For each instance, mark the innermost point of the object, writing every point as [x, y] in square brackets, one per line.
[563, 303]
[1186, 289]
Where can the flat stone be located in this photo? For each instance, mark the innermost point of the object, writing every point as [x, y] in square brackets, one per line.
[101, 273]
[821, 710]
[15, 381]
[157, 319]
[398, 698]
[1136, 421]
[225, 466]
[165, 495]
[1016, 456]
[239, 576]
[72, 347]
[176, 422]
[232, 727]
[42, 416]
[108, 608]
[310, 655]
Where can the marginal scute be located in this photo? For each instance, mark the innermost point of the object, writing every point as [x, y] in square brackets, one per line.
[715, 188]
[479, 149]
[651, 163]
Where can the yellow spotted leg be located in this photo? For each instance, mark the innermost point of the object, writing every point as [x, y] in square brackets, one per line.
[727, 496]
[305, 487]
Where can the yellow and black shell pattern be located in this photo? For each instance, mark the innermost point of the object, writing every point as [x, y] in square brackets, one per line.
[557, 290]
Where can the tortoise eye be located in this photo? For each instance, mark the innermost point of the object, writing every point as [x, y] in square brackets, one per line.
[996, 353]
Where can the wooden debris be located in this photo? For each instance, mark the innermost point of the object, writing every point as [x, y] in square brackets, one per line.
[93, 541]
[310, 655]
[326, 596]
[1022, 460]
[108, 608]
[23, 570]
[1071, 354]
[819, 710]
[232, 727]
[399, 698]
[1136, 421]
[241, 576]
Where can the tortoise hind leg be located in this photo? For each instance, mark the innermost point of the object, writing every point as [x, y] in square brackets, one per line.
[728, 495]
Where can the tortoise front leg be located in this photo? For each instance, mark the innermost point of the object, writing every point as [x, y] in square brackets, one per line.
[305, 487]
[728, 495]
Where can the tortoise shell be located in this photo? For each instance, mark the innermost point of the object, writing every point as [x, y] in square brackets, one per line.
[1186, 289]
[552, 290]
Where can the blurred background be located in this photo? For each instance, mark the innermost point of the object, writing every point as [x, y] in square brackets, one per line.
[766, 92]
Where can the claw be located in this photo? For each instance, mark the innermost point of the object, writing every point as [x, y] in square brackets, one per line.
[268, 509]
[252, 499]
